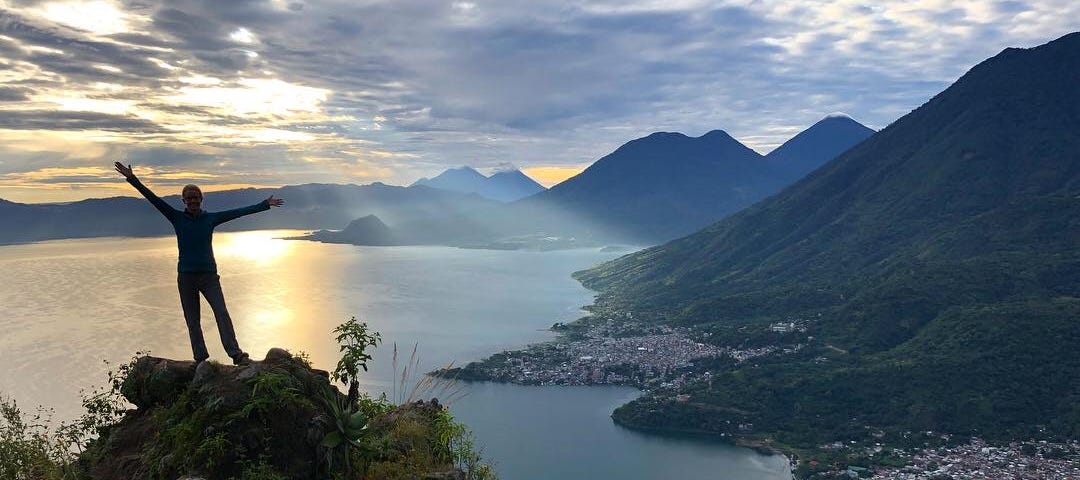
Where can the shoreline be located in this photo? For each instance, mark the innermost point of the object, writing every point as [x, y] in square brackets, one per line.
[599, 350]
[560, 362]
[762, 446]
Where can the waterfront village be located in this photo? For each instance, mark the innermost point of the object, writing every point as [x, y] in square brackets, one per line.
[660, 357]
[975, 460]
[653, 357]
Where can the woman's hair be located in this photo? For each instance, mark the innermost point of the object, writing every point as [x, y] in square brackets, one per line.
[190, 187]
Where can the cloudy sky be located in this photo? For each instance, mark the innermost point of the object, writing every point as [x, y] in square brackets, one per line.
[277, 92]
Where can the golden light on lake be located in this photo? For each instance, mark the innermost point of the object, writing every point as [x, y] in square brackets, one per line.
[259, 247]
[272, 318]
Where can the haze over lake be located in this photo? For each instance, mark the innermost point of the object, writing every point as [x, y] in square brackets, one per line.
[67, 305]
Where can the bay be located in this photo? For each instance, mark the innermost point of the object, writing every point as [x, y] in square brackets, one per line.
[68, 306]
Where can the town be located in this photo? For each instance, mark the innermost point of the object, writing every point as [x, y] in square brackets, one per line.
[976, 460]
[612, 352]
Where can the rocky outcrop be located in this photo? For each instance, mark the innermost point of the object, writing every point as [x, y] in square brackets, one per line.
[264, 420]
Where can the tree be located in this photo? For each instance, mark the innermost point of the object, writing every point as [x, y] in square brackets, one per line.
[353, 339]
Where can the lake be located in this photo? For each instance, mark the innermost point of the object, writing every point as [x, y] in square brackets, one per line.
[69, 305]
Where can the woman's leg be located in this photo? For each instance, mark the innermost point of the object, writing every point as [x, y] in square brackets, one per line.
[211, 289]
[188, 285]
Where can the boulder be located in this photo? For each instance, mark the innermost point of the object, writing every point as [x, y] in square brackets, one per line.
[216, 421]
[153, 381]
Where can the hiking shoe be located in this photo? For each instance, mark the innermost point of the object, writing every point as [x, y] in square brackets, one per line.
[242, 359]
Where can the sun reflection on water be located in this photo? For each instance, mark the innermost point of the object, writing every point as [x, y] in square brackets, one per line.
[272, 318]
[260, 247]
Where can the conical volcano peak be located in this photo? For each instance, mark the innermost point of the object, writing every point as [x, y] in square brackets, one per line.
[665, 135]
[716, 134]
[463, 172]
[838, 118]
[838, 122]
[821, 142]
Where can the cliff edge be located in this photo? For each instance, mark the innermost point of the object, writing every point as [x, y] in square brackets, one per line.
[276, 418]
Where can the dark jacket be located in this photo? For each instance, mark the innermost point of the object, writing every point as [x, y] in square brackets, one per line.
[195, 234]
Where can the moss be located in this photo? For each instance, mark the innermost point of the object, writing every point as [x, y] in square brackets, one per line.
[214, 449]
[419, 438]
[262, 471]
[182, 444]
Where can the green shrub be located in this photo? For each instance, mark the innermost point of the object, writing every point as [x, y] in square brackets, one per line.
[30, 450]
[353, 340]
[455, 444]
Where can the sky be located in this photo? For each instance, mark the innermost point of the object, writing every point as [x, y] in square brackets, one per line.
[275, 92]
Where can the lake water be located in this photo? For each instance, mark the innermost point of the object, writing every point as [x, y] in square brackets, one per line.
[67, 305]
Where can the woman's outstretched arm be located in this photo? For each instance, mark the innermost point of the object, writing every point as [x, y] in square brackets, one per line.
[235, 213]
[158, 203]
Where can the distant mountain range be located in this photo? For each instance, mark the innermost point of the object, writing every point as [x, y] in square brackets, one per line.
[667, 185]
[504, 186]
[417, 214]
[935, 268]
[650, 189]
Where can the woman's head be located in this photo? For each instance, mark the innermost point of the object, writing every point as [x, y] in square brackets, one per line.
[192, 196]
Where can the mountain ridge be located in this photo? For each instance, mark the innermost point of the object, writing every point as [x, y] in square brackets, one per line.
[504, 185]
[668, 184]
[933, 264]
[661, 185]
[650, 189]
[308, 206]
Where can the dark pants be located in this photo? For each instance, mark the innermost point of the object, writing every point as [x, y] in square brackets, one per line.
[190, 284]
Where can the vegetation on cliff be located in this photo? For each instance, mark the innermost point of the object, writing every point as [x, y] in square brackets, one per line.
[273, 419]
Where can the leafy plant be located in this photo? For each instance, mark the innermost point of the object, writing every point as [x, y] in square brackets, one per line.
[213, 449]
[455, 444]
[53, 449]
[353, 340]
[303, 357]
[350, 423]
[271, 390]
[261, 471]
[37, 448]
[31, 450]
[103, 407]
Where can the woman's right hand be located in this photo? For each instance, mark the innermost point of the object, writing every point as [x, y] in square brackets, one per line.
[125, 171]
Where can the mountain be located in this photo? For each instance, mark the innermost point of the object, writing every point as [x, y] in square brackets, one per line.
[934, 266]
[430, 214]
[811, 148]
[504, 186]
[510, 185]
[461, 179]
[656, 188]
[367, 230]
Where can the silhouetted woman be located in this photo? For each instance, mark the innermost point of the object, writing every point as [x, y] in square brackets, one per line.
[197, 270]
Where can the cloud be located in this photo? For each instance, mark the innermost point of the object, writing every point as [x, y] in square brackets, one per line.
[13, 94]
[64, 120]
[55, 175]
[289, 91]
